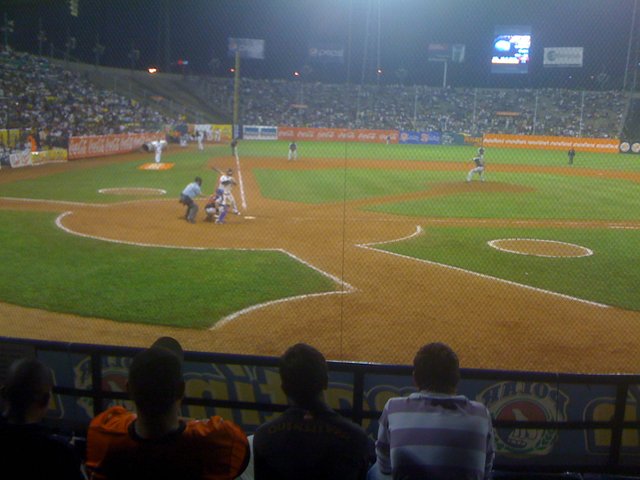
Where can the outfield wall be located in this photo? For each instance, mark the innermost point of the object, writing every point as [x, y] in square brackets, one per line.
[539, 142]
[103, 145]
[586, 423]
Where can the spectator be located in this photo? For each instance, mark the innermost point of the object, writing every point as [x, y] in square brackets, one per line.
[156, 443]
[29, 449]
[434, 433]
[309, 440]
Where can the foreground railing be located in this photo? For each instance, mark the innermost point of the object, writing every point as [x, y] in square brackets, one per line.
[543, 421]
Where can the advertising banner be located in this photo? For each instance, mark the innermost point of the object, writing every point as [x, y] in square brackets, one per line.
[246, 47]
[540, 142]
[49, 156]
[337, 135]
[259, 132]
[445, 52]
[323, 53]
[100, 146]
[563, 57]
[420, 138]
[20, 159]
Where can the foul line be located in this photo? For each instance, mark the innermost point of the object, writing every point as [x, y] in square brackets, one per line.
[240, 183]
[54, 202]
[367, 246]
[345, 287]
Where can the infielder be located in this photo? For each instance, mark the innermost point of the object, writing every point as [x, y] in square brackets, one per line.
[293, 151]
[200, 137]
[478, 160]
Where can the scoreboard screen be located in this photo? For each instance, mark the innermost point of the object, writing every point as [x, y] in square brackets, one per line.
[510, 50]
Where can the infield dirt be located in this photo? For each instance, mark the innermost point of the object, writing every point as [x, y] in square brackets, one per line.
[396, 305]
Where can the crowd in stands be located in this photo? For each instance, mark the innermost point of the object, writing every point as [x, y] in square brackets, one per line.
[433, 433]
[52, 103]
[464, 110]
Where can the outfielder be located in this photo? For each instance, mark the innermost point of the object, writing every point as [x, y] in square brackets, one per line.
[293, 151]
[478, 160]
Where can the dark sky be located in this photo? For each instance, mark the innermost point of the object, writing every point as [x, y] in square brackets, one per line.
[391, 33]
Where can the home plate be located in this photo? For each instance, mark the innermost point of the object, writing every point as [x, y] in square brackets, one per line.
[247, 217]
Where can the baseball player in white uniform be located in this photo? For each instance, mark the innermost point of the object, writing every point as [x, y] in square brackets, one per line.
[478, 160]
[200, 138]
[159, 145]
[227, 200]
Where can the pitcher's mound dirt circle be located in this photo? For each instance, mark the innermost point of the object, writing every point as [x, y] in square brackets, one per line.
[539, 248]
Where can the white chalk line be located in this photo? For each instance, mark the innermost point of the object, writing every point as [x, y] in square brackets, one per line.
[81, 204]
[160, 191]
[494, 244]
[54, 202]
[345, 287]
[368, 246]
[243, 199]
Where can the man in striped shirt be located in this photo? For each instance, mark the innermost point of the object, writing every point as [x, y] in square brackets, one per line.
[434, 433]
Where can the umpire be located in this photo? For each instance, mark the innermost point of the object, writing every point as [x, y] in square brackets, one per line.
[188, 196]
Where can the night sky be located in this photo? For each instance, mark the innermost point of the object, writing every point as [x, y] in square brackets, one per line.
[392, 34]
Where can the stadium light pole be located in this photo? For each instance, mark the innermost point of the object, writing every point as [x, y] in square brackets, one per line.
[7, 28]
[630, 46]
[42, 37]
[69, 45]
[134, 56]
[98, 50]
[236, 93]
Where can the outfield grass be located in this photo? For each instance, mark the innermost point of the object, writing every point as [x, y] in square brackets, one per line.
[440, 153]
[543, 196]
[604, 277]
[43, 267]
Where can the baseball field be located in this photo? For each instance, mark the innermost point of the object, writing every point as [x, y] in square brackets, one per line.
[365, 251]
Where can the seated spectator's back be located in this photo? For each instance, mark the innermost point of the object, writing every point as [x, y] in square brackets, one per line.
[27, 448]
[157, 443]
[309, 441]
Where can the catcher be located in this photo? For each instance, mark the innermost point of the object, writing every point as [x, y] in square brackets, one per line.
[212, 208]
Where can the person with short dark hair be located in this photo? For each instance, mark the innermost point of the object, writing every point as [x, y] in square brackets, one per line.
[309, 440]
[434, 433]
[157, 443]
[571, 154]
[29, 449]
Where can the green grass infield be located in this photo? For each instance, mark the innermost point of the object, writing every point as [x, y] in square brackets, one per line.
[43, 267]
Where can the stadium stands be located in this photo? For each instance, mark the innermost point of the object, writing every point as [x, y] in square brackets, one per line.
[58, 102]
[463, 110]
[54, 103]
